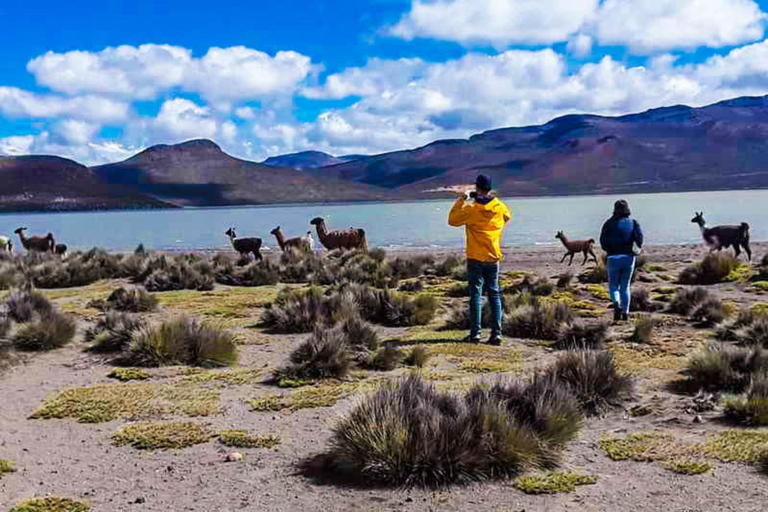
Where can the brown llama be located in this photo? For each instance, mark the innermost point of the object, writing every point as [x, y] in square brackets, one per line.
[36, 243]
[298, 243]
[576, 246]
[343, 239]
[719, 237]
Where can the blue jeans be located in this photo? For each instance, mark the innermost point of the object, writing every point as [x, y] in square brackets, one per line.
[484, 276]
[620, 269]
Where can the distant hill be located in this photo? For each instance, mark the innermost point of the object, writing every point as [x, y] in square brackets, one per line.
[50, 183]
[308, 160]
[199, 173]
[721, 146]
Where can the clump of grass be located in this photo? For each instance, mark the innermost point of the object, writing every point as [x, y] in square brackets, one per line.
[686, 300]
[643, 331]
[713, 269]
[241, 439]
[448, 266]
[642, 446]
[641, 301]
[540, 320]
[106, 402]
[6, 466]
[539, 288]
[753, 409]
[49, 332]
[414, 286]
[385, 359]
[754, 334]
[181, 341]
[687, 467]
[260, 273]
[564, 280]
[729, 331]
[51, 504]
[709, 312]
[133, 300]
[407, 433]
[113, 332]
[324, 355]
[160, 436]
[6, 324]
[179, 274]
[551, 483]
[25, 305]
[128, 374]
[592, 378]
[721, 368]
[598, 292]
[582, 335]
[296, 311]
[418, 357]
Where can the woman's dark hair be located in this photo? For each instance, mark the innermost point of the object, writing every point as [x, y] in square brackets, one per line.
[621, 209]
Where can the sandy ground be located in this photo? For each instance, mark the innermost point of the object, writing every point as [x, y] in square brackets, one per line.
[76, 460]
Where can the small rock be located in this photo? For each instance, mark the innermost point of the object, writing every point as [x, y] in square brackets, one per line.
[698, 419]
[140, 500]
[234, 457]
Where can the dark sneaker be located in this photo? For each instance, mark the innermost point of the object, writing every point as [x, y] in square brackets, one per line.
[495, 341]
[616, 314]
[625, 317]
[471, 339]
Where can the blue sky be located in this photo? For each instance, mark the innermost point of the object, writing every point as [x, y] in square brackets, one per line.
[98, 81]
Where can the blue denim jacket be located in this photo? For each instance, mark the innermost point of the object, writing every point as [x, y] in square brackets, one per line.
[618, 235]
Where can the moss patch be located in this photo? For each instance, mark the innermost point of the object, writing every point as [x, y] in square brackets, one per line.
[241, 439]
[642, 359]
[687, 467]
[598, 292]
[427, 334]
[232, 307]
[6, 466]
[126, 374]
[761, 286]
[737, 445]
[740, 274]
[50, 504]
[323, 395]
[644, 447]
[106, 402]
[157, 436]
[236, 376]
[652, 267]
[552, 482]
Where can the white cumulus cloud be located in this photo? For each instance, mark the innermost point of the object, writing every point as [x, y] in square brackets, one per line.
[18, 103]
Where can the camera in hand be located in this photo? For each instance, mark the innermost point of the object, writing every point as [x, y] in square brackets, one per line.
[473, 195]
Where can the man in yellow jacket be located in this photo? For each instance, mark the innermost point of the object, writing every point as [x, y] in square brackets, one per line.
[484, 220]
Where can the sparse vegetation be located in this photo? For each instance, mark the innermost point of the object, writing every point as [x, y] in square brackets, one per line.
[6, 466]
[688, 467]
[418, 356]
[25, 305]
[722, 368]
[159, 436]
[132, 300]
[686, 300]
[752, 409]
[641, 301]
[583, 335]
[113, 332]
[181, 341]
[324, 355]
[540, 320]
[713, 269]
[551, 483]
[128, 374]
[241, 439]
[51, 504]
[643, 331]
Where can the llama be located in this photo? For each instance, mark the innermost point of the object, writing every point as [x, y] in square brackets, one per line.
[720, 237]
[346, 239]
[6, 244]
[60, 250]
[36, 243]
[245, 246]
[310, 241]
[576, 246]
[297, 243]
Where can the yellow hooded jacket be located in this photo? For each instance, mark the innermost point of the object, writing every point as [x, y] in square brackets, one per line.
[484, 225]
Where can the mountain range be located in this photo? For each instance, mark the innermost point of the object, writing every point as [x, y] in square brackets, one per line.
[720, 146]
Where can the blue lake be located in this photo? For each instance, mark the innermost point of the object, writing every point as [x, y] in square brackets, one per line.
[665, 219]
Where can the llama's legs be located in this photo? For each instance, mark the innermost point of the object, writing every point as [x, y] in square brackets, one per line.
[745, 245]
[737, 250]
[593, 255]
[571, 261]
[585, 259]
[564, 256]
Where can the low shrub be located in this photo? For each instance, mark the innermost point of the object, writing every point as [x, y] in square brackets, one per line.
[133, 300]
[413, 285]
[160, 436]
[6, 324]
[729, 330]
[51, 504]
[417, 357]
[592, 378]
[256, 273]
[755, 333]
[51, 331]
[722, 368]
[641, 301]
[408, 268]
[583, 335]
[407, 433]
[394, 309]
[541, 321]
[25, 305]
[643, 331]
[564, 280]
[113, 332]
[753, 409]
[385, 359]
[181, 341]
[323, 355]
[713, 269]
[709, 312]
[686, 300]
[448, 266]
[597, 274]
[179, 274]
[540, 287]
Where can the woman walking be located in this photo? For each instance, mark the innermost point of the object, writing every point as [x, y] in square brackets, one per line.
[620, 234]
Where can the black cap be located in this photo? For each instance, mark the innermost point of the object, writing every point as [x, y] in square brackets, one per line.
[484, 182]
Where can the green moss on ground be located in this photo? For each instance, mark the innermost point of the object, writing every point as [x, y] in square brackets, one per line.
[553, 482]
[157, 436]
[51, 504]
[241, 439]
[687, 467]
[127, 374]
[6, 466]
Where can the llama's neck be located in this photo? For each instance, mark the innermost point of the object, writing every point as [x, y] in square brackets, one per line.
[702, 226]
[322, 232]
[232, 239]
[24, 240]
[564, 240]
[280, 239]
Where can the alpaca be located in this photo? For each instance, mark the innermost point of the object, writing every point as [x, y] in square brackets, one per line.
[576, 246]
[298, 243]
[719, 237]
[6, 244]
[60, 250]
[36, 243]
[347, 239]
[245, 246]
[310, 241]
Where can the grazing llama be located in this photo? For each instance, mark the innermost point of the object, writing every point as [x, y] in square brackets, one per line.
[576, 246]
[298, 243]
[245, 246]
[719, 237]
[343, 239]
[36, 243]
[6, 244]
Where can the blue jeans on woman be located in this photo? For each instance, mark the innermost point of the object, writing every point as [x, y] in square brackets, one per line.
[484, 275]
[620, 269]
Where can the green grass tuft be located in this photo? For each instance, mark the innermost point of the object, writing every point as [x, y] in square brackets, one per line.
[51, 504]
[160, 436]
[126, 374]
[6, 466]
[687, 467]
[551, 483]
[241, 439]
